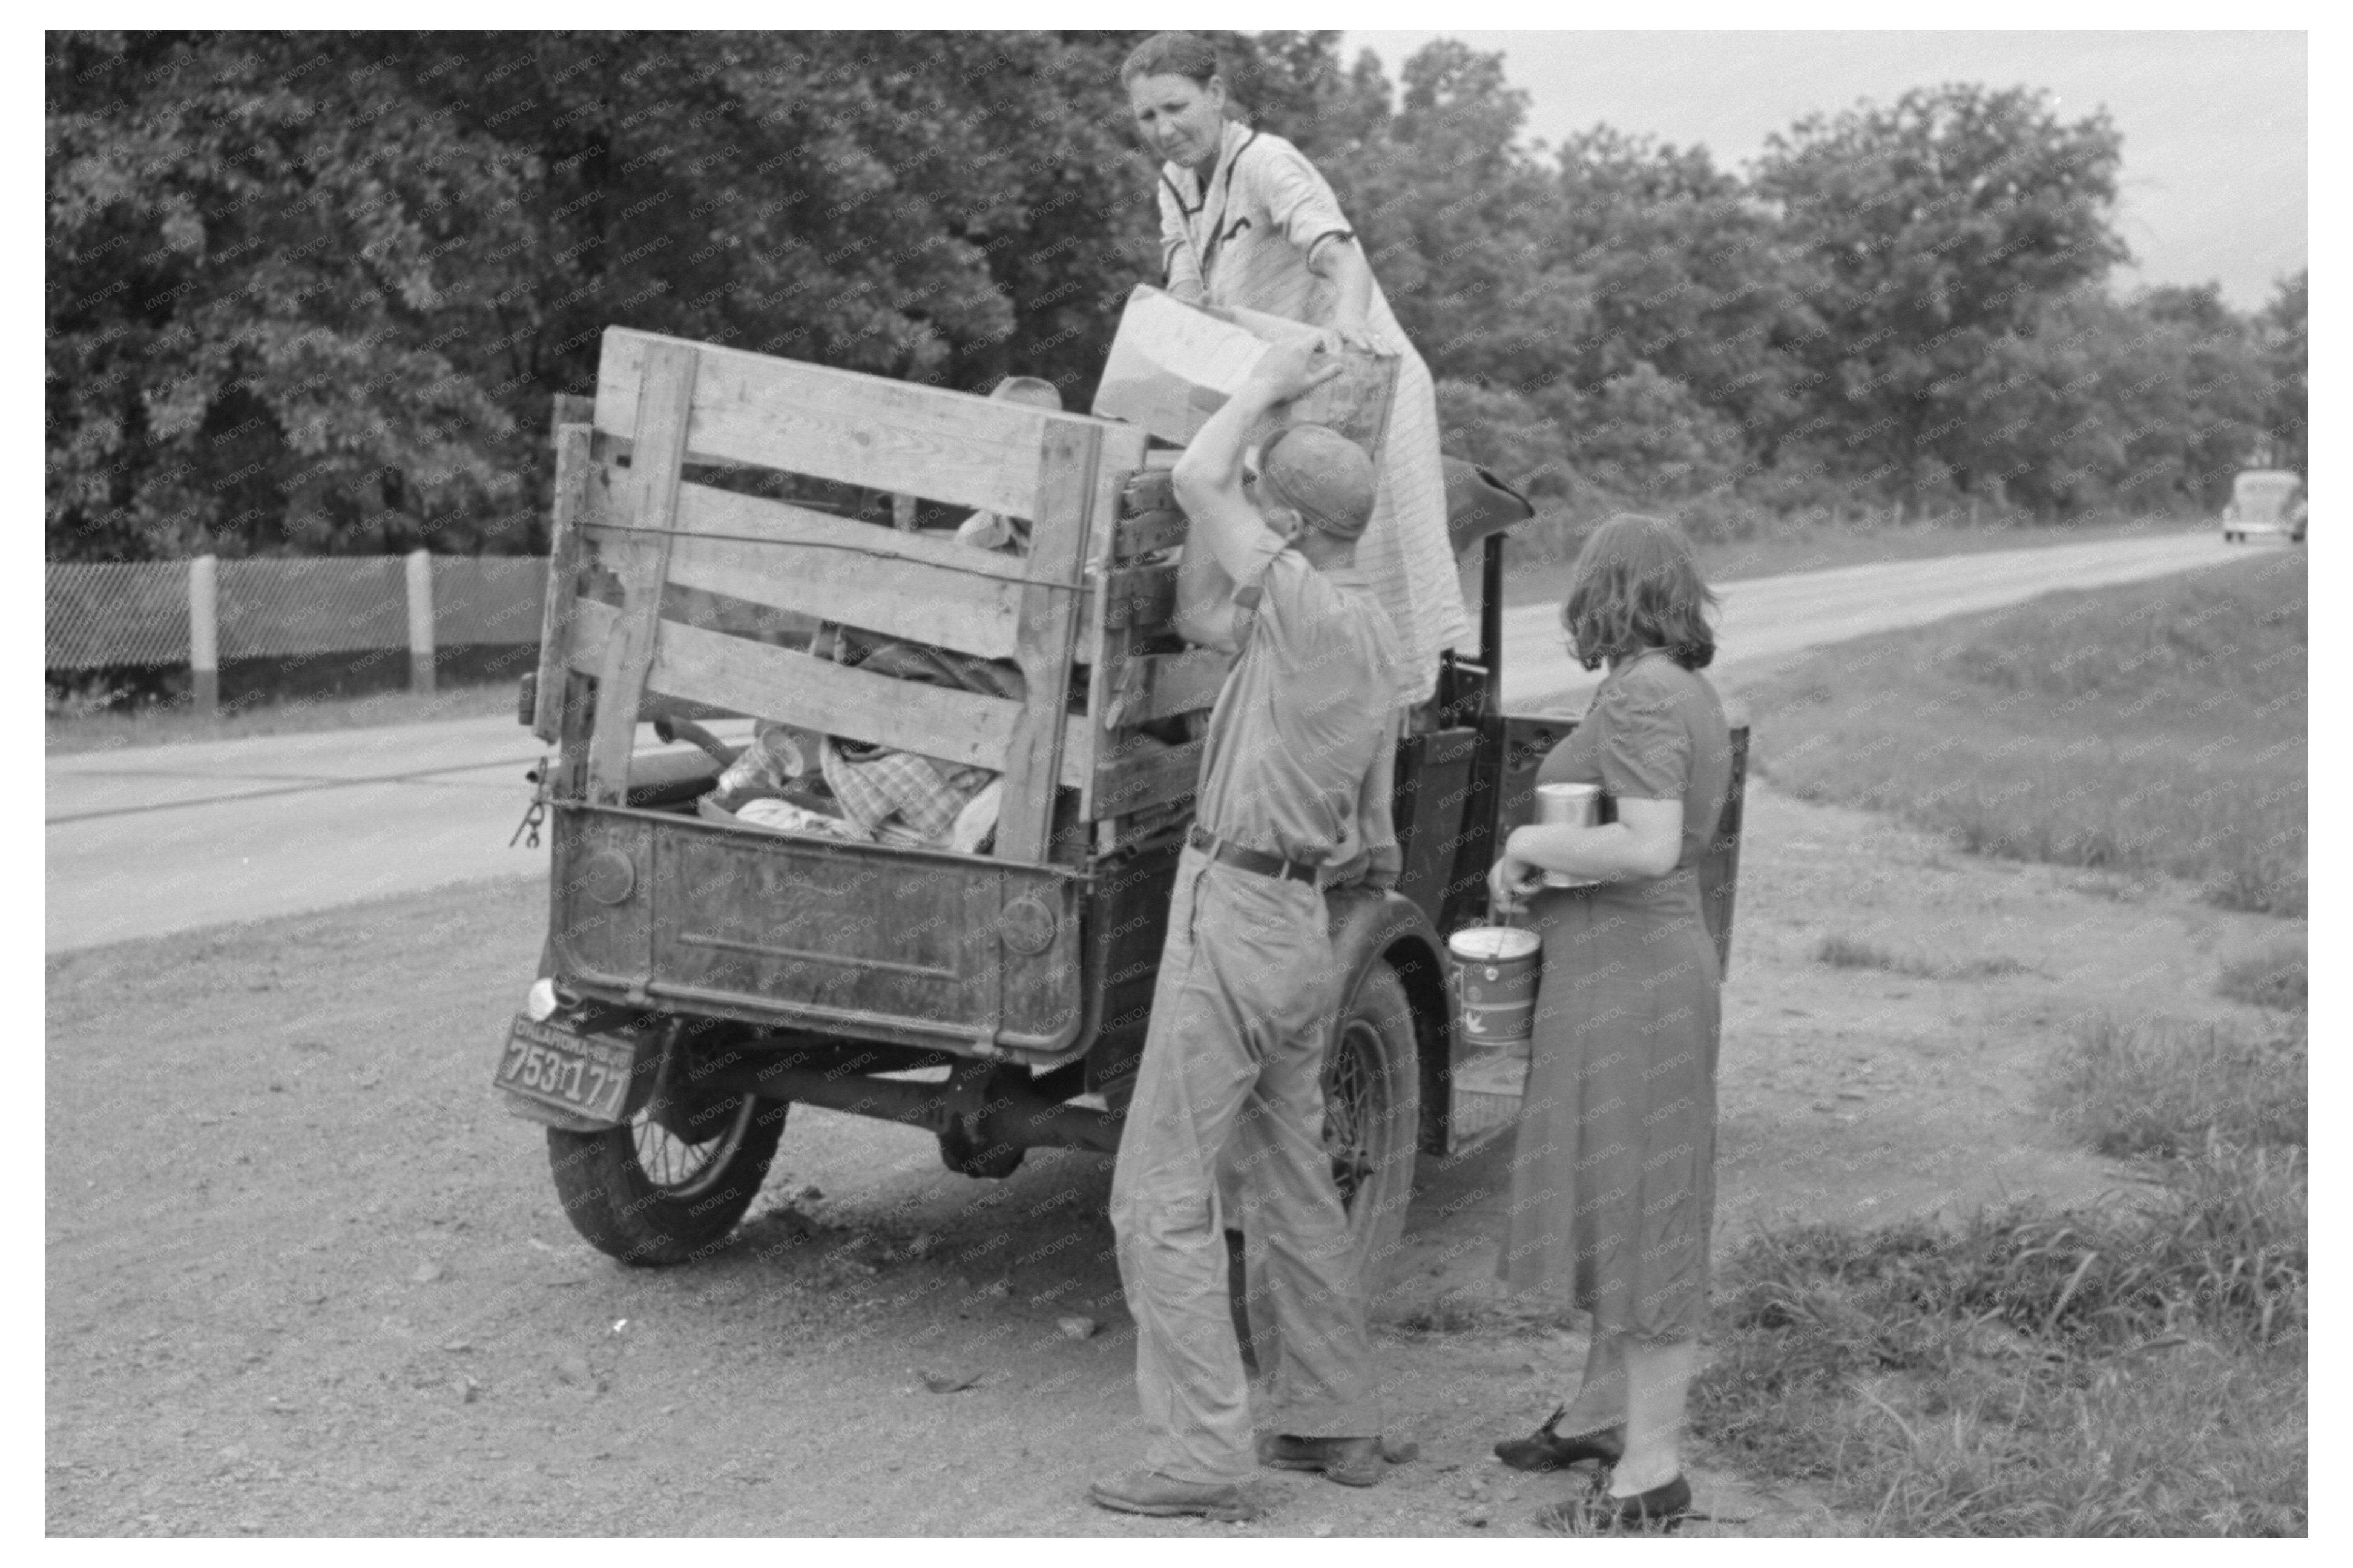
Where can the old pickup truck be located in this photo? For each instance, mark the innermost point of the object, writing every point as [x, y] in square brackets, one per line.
[702, 976]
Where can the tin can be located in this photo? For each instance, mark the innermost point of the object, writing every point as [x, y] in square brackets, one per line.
[1495, 971]
[1568, 805]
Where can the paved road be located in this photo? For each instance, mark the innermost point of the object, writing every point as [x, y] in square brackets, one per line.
[1768, 623]
[145, 841]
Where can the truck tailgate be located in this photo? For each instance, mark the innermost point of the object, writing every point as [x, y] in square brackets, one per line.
[907, 946]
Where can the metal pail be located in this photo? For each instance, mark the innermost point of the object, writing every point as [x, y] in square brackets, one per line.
[1572, 805]
[1495, 969]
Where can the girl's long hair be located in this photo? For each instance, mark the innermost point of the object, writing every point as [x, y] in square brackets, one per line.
[1637, 586]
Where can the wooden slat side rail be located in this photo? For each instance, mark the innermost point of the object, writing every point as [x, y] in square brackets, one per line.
[592, 628]
[746, 677]
[777, 555]
[707, 510]
[1050, 625]
[1141, 778]
[838, 425]
[570, 507]
[1161, 685]
[1152, 531]
[1138, 598]
[662, 415]
[1121, 460]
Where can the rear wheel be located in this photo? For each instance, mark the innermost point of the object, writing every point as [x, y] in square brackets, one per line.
[1372, 1119]
[667, 1187]
[1372, 1116]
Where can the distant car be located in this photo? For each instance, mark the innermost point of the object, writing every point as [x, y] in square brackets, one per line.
[2266, 501]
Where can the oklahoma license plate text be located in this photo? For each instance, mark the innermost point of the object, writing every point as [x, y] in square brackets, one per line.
[584, 1072]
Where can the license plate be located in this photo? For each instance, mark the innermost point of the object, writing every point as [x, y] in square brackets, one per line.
[587, 1075]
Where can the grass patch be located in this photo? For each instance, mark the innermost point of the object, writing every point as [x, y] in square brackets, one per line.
[1846, 953]
[2276, 980]
[2166, 1090]
[2153, 729]
[2134, 1368]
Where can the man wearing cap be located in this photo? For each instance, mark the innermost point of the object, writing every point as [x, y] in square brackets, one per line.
[1293, 796]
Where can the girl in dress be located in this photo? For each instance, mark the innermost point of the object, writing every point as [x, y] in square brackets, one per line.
[1613, 1180]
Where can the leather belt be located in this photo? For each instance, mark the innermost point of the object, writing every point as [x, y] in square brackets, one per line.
[1250, 860]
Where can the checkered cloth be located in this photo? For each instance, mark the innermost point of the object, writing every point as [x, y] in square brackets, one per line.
[899, 790]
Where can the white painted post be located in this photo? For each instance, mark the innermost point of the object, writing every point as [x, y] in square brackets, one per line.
[203, 634]
[420, 623]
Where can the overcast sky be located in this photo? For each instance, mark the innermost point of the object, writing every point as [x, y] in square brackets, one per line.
[2214, 123]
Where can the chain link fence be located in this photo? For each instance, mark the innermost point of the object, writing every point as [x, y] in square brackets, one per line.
[149, 613]
[112, 615]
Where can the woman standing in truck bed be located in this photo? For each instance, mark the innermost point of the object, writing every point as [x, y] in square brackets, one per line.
[1245, 221]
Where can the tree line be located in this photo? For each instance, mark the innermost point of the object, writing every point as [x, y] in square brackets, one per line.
[310, 292]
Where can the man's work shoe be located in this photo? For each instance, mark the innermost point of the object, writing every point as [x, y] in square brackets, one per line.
[1351, 1461]
[1148, 1491]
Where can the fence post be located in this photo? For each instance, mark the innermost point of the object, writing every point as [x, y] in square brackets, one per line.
[203, 634]
[420, 623]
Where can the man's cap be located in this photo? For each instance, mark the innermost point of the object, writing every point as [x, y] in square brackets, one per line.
[1322, 475]
[1034, 390]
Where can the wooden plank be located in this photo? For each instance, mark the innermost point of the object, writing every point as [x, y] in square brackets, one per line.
[1105, 645]
[1160, 685]
[1150, 530]
[662, 416]
[1142, 779]
[962, 727]
[859, 574]
[1049, 632]
[723, 513]
[950, 447]
[1123, 455]
[570, 505]
[1139, 597]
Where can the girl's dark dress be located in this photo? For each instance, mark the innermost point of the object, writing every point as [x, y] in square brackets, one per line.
[1613, 1179]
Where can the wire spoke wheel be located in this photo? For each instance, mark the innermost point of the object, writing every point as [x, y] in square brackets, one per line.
[670, 1185]
[1372, 1113]
[679, 1168]
[1354, 1090]
[1372, 1116]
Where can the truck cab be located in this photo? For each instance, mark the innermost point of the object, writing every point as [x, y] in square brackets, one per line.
[703, 974]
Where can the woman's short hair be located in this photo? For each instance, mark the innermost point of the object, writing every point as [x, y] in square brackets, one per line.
[1637, 586]
[1187, 55]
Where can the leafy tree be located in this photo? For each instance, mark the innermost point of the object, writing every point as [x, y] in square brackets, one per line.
[1939, 228]
[2281, 325]
[254, 313]
[1689, 273]
[311, 292]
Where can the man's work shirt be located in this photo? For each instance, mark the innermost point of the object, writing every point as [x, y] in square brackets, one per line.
[1303, 742]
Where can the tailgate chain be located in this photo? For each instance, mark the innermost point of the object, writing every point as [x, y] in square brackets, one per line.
[536, 812]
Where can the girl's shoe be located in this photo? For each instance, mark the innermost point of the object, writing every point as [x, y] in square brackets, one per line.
[1546, 1451]
[1597, 1513]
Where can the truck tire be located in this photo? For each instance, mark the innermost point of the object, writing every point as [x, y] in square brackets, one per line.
[1372, 1116]
[643, 1195]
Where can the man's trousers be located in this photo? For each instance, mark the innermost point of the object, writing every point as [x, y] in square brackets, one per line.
[1232, 1066]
